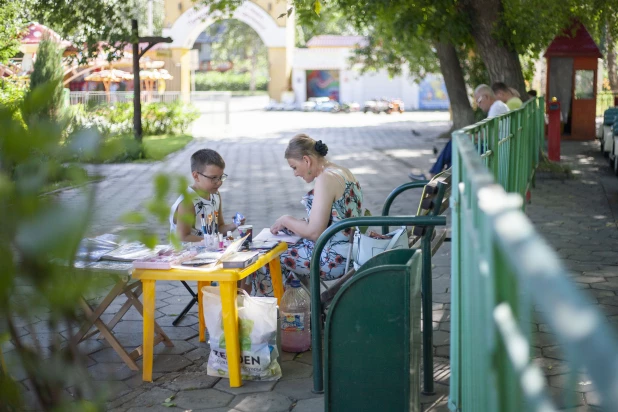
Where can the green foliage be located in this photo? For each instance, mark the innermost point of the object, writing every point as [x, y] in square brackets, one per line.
[331, 20]
[10, 29]
[474, 69]
[38, 240]
[238, 43]
[117, 119]
[11, 96]
[48, 70]
[215, 81]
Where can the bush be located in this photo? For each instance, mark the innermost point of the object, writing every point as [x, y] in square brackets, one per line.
[117, 119]
[215, 81]
[48, 70]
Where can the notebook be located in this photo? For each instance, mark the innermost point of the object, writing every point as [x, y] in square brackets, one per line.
[266, 236]
[240, 259]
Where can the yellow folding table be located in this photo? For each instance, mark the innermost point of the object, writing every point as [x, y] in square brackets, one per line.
[227, 279]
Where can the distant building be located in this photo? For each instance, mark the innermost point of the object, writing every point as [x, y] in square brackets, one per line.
[323, 69]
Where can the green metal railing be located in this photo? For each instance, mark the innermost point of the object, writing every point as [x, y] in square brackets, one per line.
[501, 267]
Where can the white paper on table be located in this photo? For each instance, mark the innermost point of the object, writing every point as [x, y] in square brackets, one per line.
[266, 236]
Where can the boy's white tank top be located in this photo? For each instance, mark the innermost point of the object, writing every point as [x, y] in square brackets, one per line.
[200, 205]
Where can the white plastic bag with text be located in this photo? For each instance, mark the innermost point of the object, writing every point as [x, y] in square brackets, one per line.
[257, 327]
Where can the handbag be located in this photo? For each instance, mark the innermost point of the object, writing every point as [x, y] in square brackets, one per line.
[365, 247]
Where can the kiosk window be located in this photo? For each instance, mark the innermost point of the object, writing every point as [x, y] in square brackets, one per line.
[584, 84]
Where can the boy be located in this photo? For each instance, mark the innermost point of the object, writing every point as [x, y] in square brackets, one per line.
[207, 171]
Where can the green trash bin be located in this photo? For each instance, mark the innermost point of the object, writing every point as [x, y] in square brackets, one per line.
[372, 337]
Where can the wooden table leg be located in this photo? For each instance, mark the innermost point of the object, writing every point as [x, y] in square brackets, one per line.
[230, 329]
[148, 344]
[200, 309]
[108, 335]
[275, 277]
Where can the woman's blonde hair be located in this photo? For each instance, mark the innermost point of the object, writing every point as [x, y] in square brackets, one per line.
[303, 145]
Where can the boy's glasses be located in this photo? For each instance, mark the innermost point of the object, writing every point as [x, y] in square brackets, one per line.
[479, 100]
[215, 179]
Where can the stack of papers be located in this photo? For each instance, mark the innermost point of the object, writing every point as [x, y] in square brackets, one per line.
[164, 259]
[266, 236]
[132, 251]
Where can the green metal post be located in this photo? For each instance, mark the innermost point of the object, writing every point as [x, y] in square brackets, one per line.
[396, 192]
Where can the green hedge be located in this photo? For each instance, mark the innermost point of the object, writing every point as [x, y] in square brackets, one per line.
[215, 81]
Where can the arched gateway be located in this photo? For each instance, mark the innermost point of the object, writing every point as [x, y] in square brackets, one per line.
[184, 23]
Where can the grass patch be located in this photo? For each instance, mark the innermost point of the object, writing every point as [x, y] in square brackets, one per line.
[547, 166]
[157, 147]
[63, 184]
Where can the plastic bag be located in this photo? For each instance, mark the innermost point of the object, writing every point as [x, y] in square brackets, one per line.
[257, 329]
[366, 246]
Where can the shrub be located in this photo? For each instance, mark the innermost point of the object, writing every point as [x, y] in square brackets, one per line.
[48, 70]
[115, 124]
[215, 81]
[117, 119]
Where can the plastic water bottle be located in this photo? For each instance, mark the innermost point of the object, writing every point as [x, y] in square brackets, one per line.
[295, 319]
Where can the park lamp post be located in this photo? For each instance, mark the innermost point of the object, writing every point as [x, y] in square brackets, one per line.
[137, 54]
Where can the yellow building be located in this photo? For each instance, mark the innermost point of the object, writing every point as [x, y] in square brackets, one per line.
[184, 22]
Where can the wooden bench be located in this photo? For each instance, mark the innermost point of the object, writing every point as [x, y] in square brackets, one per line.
[433, 204]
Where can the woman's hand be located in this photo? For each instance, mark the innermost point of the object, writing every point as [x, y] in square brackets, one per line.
[279, 224]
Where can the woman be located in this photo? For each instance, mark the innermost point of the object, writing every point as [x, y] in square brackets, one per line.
[337, 195]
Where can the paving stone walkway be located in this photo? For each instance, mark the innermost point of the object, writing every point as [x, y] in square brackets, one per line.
[578, 217]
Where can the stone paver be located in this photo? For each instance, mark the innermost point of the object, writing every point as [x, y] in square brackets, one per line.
[201, 399]
[577, 217]
[262, 402]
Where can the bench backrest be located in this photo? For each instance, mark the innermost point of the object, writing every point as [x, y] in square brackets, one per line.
[372, 337]
[434, 202]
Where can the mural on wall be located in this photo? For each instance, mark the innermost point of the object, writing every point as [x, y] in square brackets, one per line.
[323, 83]
[432, 93]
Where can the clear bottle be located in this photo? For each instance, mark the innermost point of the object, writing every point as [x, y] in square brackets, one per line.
[295, 319]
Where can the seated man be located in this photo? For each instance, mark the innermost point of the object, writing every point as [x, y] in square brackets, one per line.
[486, 100]
[507, 95]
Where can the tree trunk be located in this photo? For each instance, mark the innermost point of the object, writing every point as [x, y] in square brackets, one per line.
[611, 63]
[502, 61]
[455, 85]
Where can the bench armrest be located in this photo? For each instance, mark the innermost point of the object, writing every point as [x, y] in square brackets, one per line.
[399, 190]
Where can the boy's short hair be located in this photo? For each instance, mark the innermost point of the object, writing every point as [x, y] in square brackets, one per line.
[500, 87]
[206, 157]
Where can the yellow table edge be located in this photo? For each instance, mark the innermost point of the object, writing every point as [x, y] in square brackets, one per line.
[216, 273]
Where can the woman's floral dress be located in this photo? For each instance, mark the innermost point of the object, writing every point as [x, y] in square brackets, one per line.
[333, 258]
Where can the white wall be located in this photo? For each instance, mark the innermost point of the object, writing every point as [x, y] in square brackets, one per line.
[354, 86]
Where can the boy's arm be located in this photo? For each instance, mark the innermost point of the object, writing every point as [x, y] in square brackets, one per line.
[223, 228]
[183, 229]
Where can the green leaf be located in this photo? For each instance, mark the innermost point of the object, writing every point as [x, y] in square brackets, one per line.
[171, 398]
[317, 6]
[168, 404]
[134, 218]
